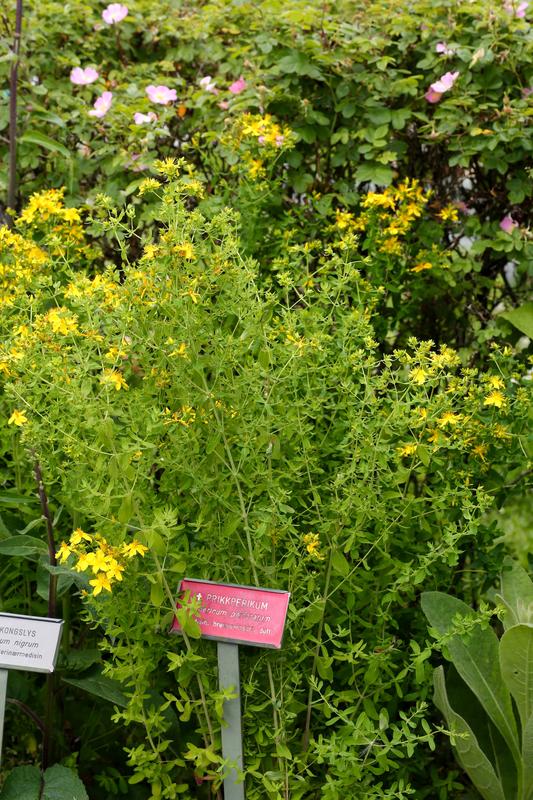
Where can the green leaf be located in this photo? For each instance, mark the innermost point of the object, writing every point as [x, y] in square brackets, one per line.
[22, 783]
[61, 783]
[469, 753]
[340, 563]
[101, 686]
[516, 594]
[22, 546]
[516, 661]
[6, 498]
[376, 173]
[35, 137]
[521, 318]
[476, 659]
[527, 759]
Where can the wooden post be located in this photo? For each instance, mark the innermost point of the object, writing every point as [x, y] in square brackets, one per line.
[3, 695]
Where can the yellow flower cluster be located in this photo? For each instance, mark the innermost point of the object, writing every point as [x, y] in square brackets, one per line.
[265, 130]
[312, 545]
[95, 554]
[21, 261]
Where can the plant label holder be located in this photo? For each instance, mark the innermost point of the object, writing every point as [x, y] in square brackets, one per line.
[26, 643]
[234, 615]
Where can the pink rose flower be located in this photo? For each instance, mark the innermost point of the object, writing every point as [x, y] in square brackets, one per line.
[443, 49]
[508, 224]
[82, 77]
[161, 94]
[516, 10]
[238, 86]
[141, 119]
[115, 12]
[102, 105]
[444, 84]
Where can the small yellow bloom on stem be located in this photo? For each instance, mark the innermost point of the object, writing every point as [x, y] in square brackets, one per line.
[422, 266]
[79, 536]
[114, 378]
[496, 382]
[312, 545]
[100, 582]
[114, 570]
[133, 548]
[407, 450]
[101, 561]
[18, 418]
[85, 561]
[495, 398]
[418, 375]
[449, 418]
[63, 553]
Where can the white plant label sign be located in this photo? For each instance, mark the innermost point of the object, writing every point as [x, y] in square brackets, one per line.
[29, 643]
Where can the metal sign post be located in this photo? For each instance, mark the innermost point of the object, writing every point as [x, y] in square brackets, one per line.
[234, 615]
[228, 675]
[3, 697]
[26, 643]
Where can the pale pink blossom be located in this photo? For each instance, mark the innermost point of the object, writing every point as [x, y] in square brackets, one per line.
[508, 224]
[516, 10]
[115, 12]
[443, 49]
[82, 77]
[208, 84]
[444, 84]
[102, 105]
[224, 105]
[237, 86]
[161, 94]
[141, 119]
[527, 91]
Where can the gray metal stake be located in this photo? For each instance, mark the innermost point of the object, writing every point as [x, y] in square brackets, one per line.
[3, 694]
[228, 675]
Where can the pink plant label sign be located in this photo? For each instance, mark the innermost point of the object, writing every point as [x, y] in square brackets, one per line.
[237, 614]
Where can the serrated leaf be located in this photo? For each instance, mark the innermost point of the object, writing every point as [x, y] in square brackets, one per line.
[22, 783]
[521, 318]
[516, 661]
[469, 753]
[61, 783]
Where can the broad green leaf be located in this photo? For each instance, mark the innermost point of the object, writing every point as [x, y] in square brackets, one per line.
[527, 759]
[340, 563]
[377, 173]
[516, 594]
[521, 318]
[22, 783]
[6, 498]
[35, 137]
[61, 783]
[516, 661]
[476, 659]
[101, 686]
[22, 546]
[469, 753]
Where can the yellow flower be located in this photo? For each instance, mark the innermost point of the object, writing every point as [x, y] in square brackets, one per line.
[133, 548]
[500, 432]
[422, 266]
[391, 246]
[78, 536]
[63, 552]
[449, 214]
[312, 545]
[18, 418]
[85, 561]
[436, 437]
[407, 450]
[100, 582]
[62, 321]
[100, 562]
[114, 569]
[480, 450]
[185, 250]
[343, 219]
[449, 418]
[114, 378]
[418, 375]
[495, 381]
[495, 398]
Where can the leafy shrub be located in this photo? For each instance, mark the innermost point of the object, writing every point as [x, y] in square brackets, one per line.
[256, 437]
